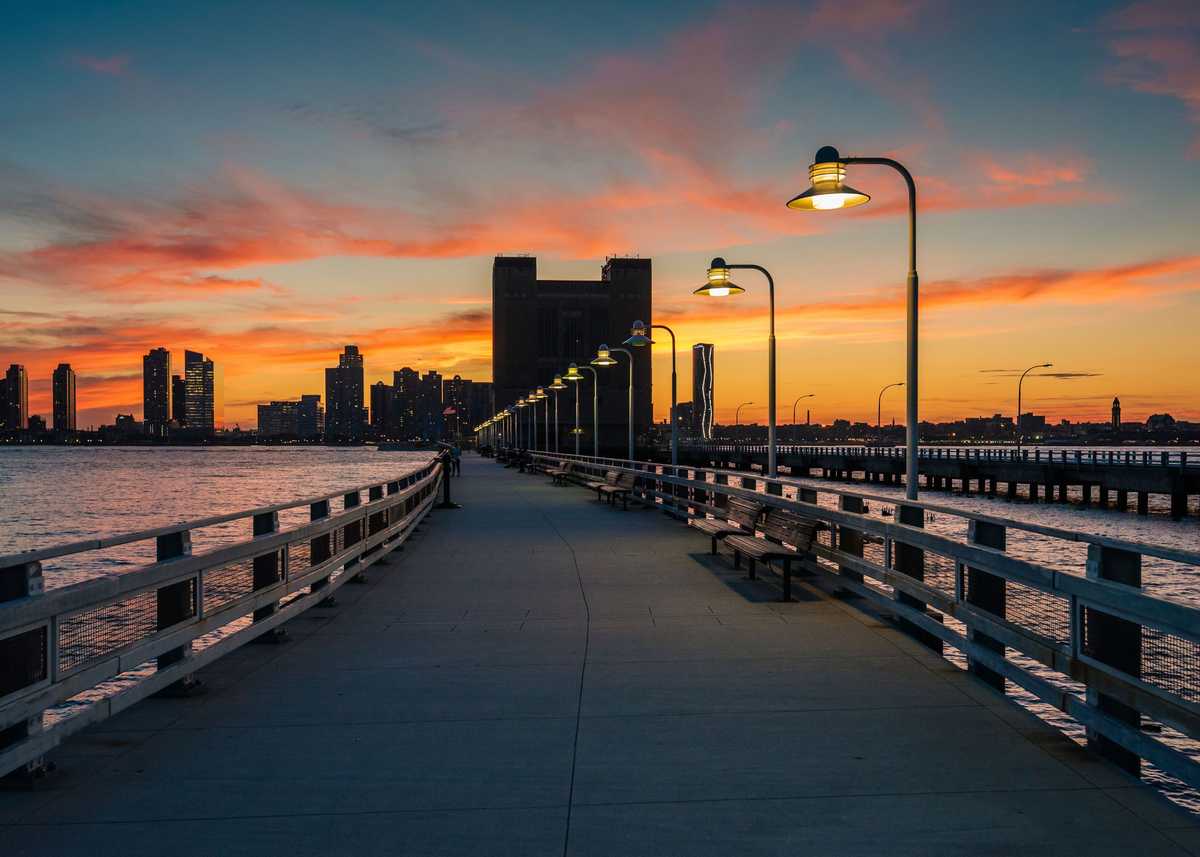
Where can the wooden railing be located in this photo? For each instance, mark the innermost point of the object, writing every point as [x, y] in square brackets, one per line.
[75, 655]
[1092, 644]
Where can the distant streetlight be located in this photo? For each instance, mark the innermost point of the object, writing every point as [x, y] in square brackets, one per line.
[556, 386]
[829, 191]
[540, 396]
[1019, 383]
[639, 337]
[879, 407]
[719, 285]
[521, 403]
[574, 374]
[737, 414]
[798, 399]
[604, 358]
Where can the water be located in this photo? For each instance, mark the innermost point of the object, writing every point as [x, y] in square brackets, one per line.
[55, 495]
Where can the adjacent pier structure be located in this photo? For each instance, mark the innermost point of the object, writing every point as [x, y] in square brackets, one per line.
[1105, 478]
[539, 673]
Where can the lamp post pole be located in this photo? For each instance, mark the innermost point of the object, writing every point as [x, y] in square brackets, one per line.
[556, 420]
[546, 420]
[629, 354]
[798, 400]
[1017, 425]
[576, 432]
[674, 398]
[771, 462]
[879, 407]
[595, 411]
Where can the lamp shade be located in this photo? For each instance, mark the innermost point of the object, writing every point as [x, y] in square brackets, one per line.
[639, 335]
[603, 357]
[573, 373]
[719, 284]
[558, 383]
[828, 189]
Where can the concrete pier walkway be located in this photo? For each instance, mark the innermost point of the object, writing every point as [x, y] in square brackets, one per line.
[537, 674]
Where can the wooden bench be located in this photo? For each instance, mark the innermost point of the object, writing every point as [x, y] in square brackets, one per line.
[612, 488]
[779, 528]
[740, 517]
[561, 472]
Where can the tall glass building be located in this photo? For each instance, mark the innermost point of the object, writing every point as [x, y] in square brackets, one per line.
[702, 390]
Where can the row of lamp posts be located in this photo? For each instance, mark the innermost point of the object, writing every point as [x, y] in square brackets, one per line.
[828, 191]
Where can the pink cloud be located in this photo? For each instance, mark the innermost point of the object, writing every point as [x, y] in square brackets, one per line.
[1157, 48]
[113, 66]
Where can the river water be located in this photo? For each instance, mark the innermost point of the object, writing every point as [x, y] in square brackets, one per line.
[54, 495]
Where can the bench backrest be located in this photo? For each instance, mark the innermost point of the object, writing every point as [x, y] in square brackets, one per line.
[624, 480]
[744, 513]
[611, 477]
[782, 525]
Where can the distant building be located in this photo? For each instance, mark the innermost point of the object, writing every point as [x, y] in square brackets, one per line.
[156, 391]
[179, 400]
[345, 421]
[15, 401]
[381, 408]
[541, 326]
[288, 419]
[456, 397]
[702, 390]
[310, 417]
[1116, 415]
[200, 379]
[1159, 422]
[1032, 423]
[429, 407]
[406, 397]
[62, 384]
[37, 424]
[686, 414]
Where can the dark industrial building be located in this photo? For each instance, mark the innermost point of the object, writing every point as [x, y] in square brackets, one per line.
[541, 326]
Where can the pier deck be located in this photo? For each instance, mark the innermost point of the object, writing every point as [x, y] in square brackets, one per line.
[539, 674]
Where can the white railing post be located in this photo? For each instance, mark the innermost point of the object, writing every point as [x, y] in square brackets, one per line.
[25, 661]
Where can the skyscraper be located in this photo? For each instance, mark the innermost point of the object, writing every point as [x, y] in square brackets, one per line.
[156, 391]
[179, 400]
[1116, 414]
[16, 398]
[702, 390]
[62, 383]
[309, 416]
[429, 407]
[406, 395]
[381, 408]
[540, 326]
[344, 417]
[457, 396]
[200, 381]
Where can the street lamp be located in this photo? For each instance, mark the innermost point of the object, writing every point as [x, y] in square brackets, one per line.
[604, 358]
[718, 286]
[574, 374]
[737, 414]
[829, 191]
[798, 398]
[556, 386]
[879, 407]
[1019, 383]
[541, 396]
[521, 403]
[639, 337]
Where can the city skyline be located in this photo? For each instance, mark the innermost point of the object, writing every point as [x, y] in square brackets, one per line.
[333, 205]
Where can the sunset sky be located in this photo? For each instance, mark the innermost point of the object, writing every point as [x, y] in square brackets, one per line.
[265, 182]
